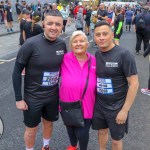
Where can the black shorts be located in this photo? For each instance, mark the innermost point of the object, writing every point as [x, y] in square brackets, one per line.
[47, 110]
[107, 119]
[128, 21]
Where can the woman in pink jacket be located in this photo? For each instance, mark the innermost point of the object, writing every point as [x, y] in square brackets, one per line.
[74, 70]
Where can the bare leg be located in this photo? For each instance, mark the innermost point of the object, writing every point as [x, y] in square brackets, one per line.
[47, 128]
[103, 138]
[117, 145]
[29, 136]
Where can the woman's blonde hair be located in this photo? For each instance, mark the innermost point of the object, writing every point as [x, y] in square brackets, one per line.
[77, 33]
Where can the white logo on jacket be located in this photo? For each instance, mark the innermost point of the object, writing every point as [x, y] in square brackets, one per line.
[60, 52]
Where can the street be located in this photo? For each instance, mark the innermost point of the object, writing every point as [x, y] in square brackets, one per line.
[139, 122]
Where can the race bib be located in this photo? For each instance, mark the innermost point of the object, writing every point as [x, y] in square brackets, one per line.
[104, 86]
[50, 78]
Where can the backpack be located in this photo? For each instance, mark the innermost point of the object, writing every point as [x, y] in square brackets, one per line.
[140, 25]
[94, 19]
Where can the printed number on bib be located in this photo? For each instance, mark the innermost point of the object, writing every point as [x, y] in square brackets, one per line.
[104, 86]
[50, 78]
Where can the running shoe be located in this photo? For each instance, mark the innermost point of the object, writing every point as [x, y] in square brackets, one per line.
[72, 147]
[46, 147]
[145, 91]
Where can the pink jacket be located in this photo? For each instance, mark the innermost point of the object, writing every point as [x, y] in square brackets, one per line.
[73, 80]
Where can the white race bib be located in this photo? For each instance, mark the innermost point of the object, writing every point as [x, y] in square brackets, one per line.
[104, 86]
[50, 78]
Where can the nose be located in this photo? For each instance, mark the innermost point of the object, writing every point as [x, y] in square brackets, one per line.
[53, 26]
[78, 43]
[101, 37]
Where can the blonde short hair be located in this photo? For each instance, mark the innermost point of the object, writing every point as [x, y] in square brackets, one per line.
[77, 33]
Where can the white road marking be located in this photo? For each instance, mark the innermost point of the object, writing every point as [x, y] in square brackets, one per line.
[2, 63]
[9, 60]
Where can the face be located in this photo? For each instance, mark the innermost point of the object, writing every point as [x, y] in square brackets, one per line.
[101, 6]
[79, 45]
[103, 37]
[52, 27]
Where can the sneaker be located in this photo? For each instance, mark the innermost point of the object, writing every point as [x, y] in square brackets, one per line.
[72, 147]
[8, 30]
[46, 147]
[137, 53]
[11, 30]
[145, 91]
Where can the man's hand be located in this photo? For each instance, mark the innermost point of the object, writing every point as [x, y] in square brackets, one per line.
[21, 105]
[121, 117]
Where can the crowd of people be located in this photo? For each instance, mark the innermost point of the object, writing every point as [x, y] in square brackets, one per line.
[110, 77]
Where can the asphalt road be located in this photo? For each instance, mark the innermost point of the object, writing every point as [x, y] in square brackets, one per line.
[139, 128]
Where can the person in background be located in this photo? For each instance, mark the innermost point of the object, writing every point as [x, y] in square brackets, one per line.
[2, 12]
[32, 28]
[39, 6]
[41, 56]
[79, 22]
[54, 6]
[24, 16]
[65, 15]
[75, 66]
[87, 20]
[33, 7]
[9, 17]
[102, 12]
[142, 34]
[129, 16]
[17, 5]
[60, 7]
[111, 15]
[118, 25]
[76, 9]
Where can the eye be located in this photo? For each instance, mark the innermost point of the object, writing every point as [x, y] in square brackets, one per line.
[105, 33]
[98, 34]
[49, 23]
[58, 24]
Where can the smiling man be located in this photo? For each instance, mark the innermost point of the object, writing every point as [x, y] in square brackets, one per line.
[117, 85]
[41, 56]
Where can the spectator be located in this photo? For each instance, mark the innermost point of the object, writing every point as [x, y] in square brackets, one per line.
[142, 33]
[129, 16]
[17, 5]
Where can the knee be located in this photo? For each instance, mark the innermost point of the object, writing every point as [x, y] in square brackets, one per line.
[47, 124]
[31, 131]
[103, 132]
[116, 143]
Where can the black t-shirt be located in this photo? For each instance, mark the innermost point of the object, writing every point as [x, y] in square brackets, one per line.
[102, 13]
[113, 68]
[18, 8]
[37, 29]
[42, 59]
[22, 23]
[9, 10]
[118, 18]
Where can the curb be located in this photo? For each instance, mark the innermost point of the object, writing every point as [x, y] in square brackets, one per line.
[4, 34]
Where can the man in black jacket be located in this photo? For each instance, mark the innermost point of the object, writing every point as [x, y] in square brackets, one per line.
[142, 34]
